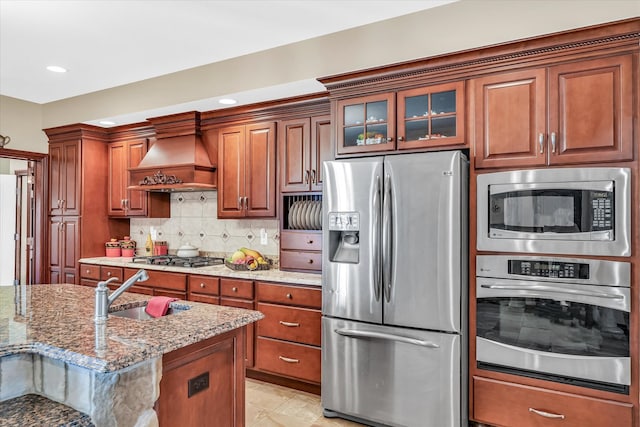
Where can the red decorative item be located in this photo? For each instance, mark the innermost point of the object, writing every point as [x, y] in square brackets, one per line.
[112, 248]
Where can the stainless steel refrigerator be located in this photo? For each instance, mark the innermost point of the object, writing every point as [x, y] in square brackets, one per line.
[394, 296]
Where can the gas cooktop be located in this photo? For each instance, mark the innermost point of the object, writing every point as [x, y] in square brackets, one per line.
[197, 261]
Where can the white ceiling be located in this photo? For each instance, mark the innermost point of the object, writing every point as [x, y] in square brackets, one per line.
[105, 44]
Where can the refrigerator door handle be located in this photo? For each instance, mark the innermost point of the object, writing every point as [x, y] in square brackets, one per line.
[381, 335]
[386, 238]
[375, 240]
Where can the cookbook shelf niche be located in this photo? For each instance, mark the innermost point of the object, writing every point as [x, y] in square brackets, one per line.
[302, 212]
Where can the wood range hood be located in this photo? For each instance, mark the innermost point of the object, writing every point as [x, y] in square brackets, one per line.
[178, 160]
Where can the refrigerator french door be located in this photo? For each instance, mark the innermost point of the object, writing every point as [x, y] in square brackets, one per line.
[394, 289]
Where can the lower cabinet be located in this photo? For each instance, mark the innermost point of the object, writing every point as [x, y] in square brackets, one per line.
[506, 404]
[203, 384]
[239, 293]
[288, 338]
[159, 283]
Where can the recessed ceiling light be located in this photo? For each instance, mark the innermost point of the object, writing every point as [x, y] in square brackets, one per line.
[56, 69]
[107, 122]
[227, 101]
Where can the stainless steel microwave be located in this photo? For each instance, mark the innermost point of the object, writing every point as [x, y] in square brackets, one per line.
[576, 211]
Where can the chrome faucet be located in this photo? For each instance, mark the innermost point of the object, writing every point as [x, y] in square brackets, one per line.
[104, 300]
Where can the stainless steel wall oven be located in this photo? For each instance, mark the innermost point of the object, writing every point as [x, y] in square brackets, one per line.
[559, 319]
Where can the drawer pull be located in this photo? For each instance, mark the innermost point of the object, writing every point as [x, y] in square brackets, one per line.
[546, 414]
[202, 285]
[289, 296]
[310, 242]
[289, 324]
[109, 273]
[289, 360]
[234, 289]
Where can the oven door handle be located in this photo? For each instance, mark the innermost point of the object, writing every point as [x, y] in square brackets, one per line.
[352, 333]
[542, 288]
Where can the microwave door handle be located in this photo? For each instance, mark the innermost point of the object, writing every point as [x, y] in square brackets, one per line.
[352, 333]
[541, 288]
[375, 240]
[386, 238]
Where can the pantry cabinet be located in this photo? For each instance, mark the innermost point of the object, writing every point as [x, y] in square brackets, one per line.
[126, 152]
[575, 113]
[247, 171]
[64, 244]
[304, 144]
[64, 177]
[416, 118]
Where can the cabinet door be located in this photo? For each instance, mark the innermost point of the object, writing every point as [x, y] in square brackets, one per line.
[260, 170]
[294, 146]
[117, 178]
[231, 177]
[56, 178]
[72, 178]
[431, 116]
[136, 200]
[64, 241]
[321, 148]
[510, 124]
[366, 124]
[55, 249]
[591, 110]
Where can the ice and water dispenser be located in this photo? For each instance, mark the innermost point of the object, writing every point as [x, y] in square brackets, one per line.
[344, 237]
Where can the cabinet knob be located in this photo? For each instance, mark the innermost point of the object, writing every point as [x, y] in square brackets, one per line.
[310, 261]
[202, 285]
[390, 139]
[289, 296]
[310, 241]
[234, 289]
[108, 273]
[240, 202]
[87, 271]
[401, 138]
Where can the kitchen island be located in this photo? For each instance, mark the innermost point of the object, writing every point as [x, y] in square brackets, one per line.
[50, 346]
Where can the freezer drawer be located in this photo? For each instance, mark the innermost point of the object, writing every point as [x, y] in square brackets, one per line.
[392, 376]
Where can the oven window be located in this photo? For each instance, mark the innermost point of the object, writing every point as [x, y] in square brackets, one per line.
[562, 327]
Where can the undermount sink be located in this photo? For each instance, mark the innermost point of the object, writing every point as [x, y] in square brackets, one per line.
[138, 313]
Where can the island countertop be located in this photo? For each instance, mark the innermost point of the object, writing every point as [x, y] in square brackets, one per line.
[272, 275]
[57, 321]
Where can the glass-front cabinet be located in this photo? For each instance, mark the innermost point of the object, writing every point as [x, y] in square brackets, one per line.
[414, 118]
[366, 124]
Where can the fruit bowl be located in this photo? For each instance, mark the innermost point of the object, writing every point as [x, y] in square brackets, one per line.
[245, 267]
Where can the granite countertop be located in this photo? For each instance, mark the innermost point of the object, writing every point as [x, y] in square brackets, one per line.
[57, 321]
[272, 275]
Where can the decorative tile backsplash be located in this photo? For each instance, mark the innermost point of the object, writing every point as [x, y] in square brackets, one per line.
[194, 221]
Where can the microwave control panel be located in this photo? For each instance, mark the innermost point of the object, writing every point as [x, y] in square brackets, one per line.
[601, 202]
[551, 269]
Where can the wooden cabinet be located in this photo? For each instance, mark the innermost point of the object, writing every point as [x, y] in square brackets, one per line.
[304, 144]
[288, 338]
[160, 283]
[204, 289]
[64, 244]
[575, 113]
[203, 384]
[301, 250]
[431, 116]
[247, 171]
[239, 293]
[508, 405]
[91, 274]
[78, 187]
[64, 177]
[123, 155]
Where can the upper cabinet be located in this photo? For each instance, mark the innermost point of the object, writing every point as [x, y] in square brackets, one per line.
[64, 177]
[127, 148]
[415, 118]
[579, 112]
[304, 144]
[247, 171]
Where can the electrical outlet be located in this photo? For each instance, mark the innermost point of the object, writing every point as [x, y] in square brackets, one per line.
[263, 236]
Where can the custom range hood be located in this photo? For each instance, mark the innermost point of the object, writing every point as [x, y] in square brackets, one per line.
[178, 160]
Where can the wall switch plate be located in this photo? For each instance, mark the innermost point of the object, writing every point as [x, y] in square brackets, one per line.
[263, 236]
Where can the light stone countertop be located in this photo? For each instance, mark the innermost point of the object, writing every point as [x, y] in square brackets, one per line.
[272, 275]
[57, 321]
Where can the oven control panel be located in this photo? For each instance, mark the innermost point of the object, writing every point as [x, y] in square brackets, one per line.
[551, 269]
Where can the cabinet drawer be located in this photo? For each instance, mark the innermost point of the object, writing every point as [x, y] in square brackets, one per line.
[301, 241]
[292, 360]
[170, 294]
[236, 288]
[204, 285]
[88, 282]
[161, 279]
[293, 260]
[204, 298]
[109, 272]
[300, 325]
[230, 302]
[288, 294]
[90, 271]
[507, 404]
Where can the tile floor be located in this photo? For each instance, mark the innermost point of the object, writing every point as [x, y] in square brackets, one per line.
[270, 405]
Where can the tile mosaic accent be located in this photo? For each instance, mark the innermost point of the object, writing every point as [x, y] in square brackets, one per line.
[194, 221]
